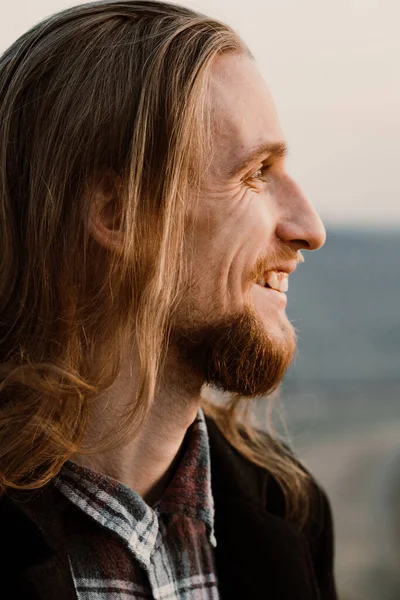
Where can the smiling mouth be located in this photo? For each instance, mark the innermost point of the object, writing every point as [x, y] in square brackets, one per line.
[275, 280]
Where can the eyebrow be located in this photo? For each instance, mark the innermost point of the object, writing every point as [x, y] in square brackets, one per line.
[269, 149]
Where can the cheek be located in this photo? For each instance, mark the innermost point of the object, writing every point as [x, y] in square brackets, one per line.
[231, 231]
[251, 221]
[224, 212]
[221, 233]
[230, 225]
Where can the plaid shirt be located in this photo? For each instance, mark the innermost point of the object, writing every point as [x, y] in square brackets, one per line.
[120, 548]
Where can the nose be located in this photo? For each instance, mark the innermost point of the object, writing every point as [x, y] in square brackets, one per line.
[299, 225]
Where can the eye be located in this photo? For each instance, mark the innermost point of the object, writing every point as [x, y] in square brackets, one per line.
[260, 174]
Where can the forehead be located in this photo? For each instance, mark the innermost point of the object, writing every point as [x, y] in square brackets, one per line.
[243, 114]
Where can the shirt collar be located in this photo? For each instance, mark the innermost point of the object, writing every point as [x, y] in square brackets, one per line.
[189, 492]
[121, 510]
[114, 506]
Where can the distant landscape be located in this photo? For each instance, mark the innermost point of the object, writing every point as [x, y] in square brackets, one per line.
[342, 400]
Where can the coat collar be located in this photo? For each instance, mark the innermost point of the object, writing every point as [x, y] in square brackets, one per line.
[258, 553]
[36, 548]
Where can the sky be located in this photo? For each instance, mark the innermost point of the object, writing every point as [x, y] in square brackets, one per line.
[333, 69]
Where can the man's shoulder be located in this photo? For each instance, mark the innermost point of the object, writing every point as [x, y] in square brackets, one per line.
[30, 515]
[250, 511]
[233, 472]
[34, 561]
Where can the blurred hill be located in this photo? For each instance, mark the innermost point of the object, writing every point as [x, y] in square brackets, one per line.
[341, 400]
[345, 302]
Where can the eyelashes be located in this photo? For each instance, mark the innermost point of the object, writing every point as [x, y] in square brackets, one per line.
[261, 174]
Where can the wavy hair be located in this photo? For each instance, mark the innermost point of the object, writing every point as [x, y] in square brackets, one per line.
[117, 86]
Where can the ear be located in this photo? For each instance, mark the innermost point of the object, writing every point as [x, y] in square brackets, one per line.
[104, 218]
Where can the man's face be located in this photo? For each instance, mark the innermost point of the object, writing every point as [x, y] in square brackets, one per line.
[252, 220]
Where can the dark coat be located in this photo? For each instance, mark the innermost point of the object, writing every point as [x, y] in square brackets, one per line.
[259, 555]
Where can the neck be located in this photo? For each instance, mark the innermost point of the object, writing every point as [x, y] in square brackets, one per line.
[146, 463]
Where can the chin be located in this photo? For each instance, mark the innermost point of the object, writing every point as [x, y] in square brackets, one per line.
[280, 332]
[243, 354]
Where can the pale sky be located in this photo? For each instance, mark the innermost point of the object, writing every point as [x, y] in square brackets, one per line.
[333, 68]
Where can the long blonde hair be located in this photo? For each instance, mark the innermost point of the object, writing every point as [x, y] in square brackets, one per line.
[122, 86]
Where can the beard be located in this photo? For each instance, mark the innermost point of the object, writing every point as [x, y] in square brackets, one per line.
[236, 354]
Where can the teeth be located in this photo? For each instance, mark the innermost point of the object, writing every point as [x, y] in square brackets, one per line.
[261, 281]
[277, 280]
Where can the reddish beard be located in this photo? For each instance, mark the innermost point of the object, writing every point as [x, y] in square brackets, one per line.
[237, 354]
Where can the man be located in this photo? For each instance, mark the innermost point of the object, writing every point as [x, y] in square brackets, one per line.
[148, 229]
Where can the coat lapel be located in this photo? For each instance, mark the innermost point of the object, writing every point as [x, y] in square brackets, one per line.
[259, 555]
[37, 549]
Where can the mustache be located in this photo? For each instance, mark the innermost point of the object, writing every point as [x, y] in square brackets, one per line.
[274, 261]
